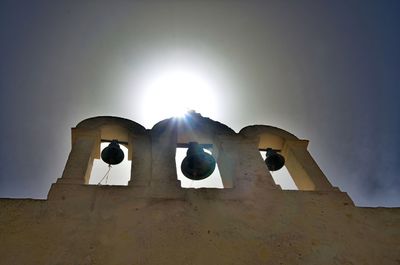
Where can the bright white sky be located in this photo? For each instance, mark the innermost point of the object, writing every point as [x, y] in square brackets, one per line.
[172, 90]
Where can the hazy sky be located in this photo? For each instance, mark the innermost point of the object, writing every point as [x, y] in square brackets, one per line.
[327, 71]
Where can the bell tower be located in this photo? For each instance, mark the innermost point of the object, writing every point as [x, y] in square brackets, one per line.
[152, 152]
[153, 220]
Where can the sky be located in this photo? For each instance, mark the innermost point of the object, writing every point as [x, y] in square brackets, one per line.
[326, 71]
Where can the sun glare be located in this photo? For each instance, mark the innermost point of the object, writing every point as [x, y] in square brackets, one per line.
[175, 91]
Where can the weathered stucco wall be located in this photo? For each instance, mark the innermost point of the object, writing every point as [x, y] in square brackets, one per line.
[82, 224]
[154, 221]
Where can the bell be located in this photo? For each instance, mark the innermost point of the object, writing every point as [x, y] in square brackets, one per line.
[197, 164]
[274, 160]
[112, 154]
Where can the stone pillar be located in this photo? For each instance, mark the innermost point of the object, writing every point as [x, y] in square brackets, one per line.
[85, 148]
[140, 155]
[163, 151]
[241, 164]
[252, 165]
[225, 153]
[303, 169]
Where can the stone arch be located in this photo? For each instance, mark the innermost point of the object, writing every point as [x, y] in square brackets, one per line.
[193, 122]
[87, 137]
[111, 127]
[269, 136]
[171, 133]
[302, 167]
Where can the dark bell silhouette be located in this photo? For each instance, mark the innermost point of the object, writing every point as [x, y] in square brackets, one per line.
[112, 154]
[274, 160]
[197, 164]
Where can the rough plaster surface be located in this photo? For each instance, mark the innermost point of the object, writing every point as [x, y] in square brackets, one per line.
[154, 221]
[81, 224]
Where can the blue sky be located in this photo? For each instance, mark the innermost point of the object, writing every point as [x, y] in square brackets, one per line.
[325, 71]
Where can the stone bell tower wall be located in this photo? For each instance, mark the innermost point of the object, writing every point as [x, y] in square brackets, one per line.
[155, 221]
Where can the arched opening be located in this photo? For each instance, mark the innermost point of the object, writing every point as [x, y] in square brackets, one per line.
[195, 128]
[116, 175]
[282, 176]
[213, 181]
[299, 162]
[84, 165]
[274, 138]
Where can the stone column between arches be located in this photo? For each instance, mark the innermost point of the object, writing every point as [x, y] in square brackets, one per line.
[252, 165]
[140, 154]
[225, 154]
[163, 167]
[241, 165]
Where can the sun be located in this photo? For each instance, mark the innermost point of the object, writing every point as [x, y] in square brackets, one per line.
[176, 90]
